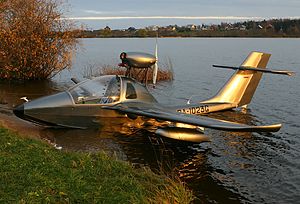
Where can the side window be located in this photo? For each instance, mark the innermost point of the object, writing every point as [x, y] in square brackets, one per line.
[130, 92]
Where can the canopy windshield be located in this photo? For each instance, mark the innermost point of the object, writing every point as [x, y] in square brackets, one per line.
[101, 90]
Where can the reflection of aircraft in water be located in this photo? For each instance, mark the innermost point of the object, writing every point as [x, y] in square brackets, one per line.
[110, 99]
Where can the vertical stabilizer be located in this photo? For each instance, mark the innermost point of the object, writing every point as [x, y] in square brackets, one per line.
[240, 88]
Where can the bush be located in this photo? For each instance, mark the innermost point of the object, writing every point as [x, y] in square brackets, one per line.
[36, 42]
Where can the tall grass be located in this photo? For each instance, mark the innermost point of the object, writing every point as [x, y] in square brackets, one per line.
[165, 72]
[34, 172]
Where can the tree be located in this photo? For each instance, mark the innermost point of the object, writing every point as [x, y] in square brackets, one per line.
[105, 32]
[36, 42]
[141, 33]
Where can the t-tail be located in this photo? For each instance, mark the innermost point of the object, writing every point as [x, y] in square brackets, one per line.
[241, 87]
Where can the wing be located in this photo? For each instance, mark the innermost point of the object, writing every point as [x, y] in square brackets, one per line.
[161, 113]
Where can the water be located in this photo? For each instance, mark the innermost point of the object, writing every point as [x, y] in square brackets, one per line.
[233, 167]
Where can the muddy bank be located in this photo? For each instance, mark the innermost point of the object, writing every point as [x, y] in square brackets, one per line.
[89, 140]
[10, 121]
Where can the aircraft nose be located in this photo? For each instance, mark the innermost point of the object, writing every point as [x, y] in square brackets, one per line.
[19, 111]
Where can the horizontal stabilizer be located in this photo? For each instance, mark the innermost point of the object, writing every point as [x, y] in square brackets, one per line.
[283, 72]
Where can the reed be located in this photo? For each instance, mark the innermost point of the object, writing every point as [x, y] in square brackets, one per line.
[165, 72]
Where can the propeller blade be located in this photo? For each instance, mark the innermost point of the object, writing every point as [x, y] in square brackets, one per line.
[155, 69]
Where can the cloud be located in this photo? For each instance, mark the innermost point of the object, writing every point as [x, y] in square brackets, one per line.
[106, 12]
[94, 12]
[167, 17]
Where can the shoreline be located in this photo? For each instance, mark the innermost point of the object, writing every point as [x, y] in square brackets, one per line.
[52, 174]
[240, 37]
[23, 128]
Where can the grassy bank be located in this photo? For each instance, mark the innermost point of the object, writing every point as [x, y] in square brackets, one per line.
[33, 172]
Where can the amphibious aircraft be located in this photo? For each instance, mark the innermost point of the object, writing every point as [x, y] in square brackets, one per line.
[113, 99]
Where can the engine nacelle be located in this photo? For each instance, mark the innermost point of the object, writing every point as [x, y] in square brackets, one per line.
[137, 59]
[184, 134]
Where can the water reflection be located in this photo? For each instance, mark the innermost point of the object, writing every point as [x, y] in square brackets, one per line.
[191, 162]
[11, 92]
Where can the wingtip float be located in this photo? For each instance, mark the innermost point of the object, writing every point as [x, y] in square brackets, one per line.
[111, 99]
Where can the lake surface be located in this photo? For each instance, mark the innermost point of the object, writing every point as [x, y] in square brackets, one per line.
[233, 167]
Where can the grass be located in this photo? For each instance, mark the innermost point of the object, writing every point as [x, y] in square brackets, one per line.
[32, 171]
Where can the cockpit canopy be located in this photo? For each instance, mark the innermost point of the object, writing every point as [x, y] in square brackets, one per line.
[101, 90]
[109, 89]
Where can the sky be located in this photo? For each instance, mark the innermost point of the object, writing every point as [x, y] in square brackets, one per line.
[121, 14]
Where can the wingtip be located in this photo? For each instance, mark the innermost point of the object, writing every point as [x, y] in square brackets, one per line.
[271, 128]
[290, 73]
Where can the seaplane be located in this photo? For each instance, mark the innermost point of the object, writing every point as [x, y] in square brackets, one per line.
[113, 99]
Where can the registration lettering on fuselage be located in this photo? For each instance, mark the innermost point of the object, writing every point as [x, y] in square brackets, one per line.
[194, 110]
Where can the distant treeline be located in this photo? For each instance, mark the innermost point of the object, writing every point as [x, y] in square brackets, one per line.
[265, 28]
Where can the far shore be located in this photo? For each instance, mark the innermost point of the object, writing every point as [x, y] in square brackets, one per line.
[246, 37]
[272, 28]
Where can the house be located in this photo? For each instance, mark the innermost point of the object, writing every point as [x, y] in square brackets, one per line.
[191, 27]
[107, 28]
[243, 27]
[131, 29]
